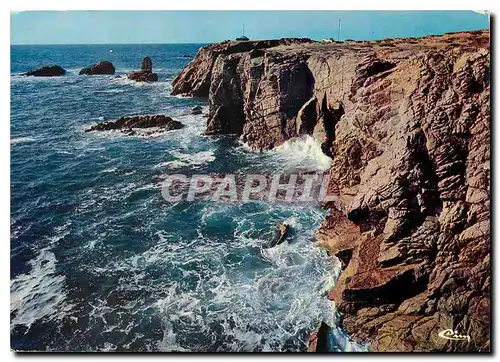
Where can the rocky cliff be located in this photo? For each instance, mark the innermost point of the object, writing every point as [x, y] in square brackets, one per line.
[407, 124]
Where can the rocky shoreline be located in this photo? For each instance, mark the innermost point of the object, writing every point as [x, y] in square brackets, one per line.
[407, 125]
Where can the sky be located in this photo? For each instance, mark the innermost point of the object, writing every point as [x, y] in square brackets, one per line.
[127, 27]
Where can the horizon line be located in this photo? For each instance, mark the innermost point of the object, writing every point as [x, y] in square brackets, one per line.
[220, 41]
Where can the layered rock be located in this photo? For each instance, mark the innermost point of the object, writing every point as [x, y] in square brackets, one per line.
[407, 125]
[146, 73]
[129, 123]
[48, 71]
[100, 68]
[195, 79]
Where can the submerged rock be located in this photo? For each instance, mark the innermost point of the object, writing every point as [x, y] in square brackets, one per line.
[127, 124]
[197, 110]
[280, 235]
[103, 67]
[48, 71]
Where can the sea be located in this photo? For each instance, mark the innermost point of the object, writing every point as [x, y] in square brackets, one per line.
[101, 262]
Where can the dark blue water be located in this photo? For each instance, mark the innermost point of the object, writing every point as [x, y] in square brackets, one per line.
[100, 261]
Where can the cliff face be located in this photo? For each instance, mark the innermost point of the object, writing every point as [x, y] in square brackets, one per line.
[407, 124]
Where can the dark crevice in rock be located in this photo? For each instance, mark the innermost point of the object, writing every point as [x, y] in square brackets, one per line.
[379, 67]
[395, 291]
[344, 256]
[328, 118]
[368, 220]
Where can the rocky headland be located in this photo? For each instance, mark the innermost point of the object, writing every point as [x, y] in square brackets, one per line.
[407, 125]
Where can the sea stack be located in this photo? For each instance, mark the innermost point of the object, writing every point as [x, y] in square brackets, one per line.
[146, 73]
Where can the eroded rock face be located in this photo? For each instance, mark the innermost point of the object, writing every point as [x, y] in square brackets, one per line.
[195, 79]
[128, 123]
[103, 67]
[48, 71]
[406, 122]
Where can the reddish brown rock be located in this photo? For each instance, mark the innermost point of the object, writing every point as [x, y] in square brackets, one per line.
[143, 76]
[318, 340]
[147, 64]
[104, 67]
[195, 79]
[407, 124]
[146, 73]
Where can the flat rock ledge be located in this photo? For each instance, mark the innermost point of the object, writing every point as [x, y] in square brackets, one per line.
[143, 76]
[127, 124]
[47, 71]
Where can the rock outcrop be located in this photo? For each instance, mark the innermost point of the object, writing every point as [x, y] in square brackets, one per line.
[127, 124]
[195, 79]
[48, 71]
[100, 68]
[407, 125]
[282, 232]
[146, 73]
[197, 110]
[318, 340]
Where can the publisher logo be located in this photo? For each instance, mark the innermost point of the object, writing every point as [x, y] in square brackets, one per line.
[453, 335]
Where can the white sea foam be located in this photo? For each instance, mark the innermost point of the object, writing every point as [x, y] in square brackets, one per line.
[39, 293]
[116, 90]
[303, 152]
[17, 140]
[183, 159]
[236, 295]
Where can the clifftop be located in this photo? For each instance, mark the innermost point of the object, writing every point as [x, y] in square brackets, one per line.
[407, 124]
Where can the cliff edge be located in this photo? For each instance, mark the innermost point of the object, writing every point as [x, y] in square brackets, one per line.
[407, 125]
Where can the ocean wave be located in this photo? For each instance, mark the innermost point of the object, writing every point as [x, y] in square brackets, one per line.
[116, 90]
[17, 140]
[183, 159]
[303, 152]
[40, 293]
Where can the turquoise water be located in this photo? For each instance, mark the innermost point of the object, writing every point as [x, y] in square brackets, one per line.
[100, 261]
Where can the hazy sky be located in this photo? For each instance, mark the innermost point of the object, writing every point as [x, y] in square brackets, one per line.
[110, 27]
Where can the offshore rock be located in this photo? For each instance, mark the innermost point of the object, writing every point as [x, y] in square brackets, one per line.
[143, 76]
[103, 67]
[407, 125]
[280, 235]
[147, 64]
[146, 73]
[127, 124]
[48, 71]
[197, 110]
